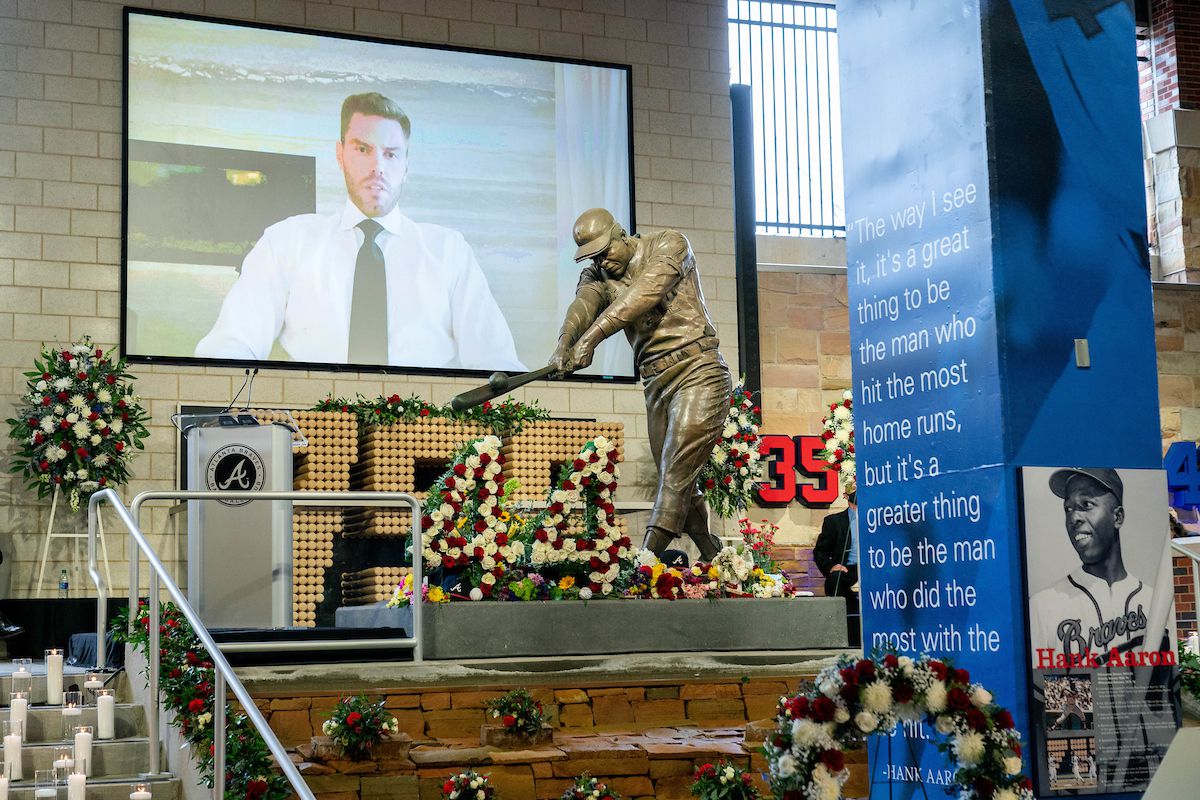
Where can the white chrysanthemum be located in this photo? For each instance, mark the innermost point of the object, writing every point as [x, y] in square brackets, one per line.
[980, 697]
[866, 721]
[48, 424]
[62, 383]
[54, 453]
[847, 395]
[841, 413]
[95, 438]
[729, 430]
[100, 460]
[786, 765]
[877, 697]
[77, 401]
[104, 396]
[59, 409]
[81, 430]
[935, 697]
[81, 474]
[969, 747]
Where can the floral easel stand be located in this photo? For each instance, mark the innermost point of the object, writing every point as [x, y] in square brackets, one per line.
[51, 533]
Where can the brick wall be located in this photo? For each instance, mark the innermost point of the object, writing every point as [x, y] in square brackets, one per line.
[60, 175]
[1173, 50]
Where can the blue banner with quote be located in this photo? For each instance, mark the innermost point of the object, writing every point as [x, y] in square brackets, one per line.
[973, 268]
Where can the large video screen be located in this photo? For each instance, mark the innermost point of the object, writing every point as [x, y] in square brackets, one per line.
[296, 198]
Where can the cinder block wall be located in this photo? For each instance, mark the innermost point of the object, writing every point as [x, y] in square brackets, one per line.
[60, 194]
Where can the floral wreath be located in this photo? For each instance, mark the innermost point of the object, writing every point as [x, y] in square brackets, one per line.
[502, 419]
[735, 467]
[856, 698]
[79, 423]
[464, 524]
[838, 453]
[596, 555]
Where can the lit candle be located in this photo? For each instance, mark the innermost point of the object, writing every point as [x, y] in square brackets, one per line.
[93, 682]
[18, 710]
[141, 791]
[3, 787]
[83, 749]
[76, 786]
[12, 756]
[54, 676]
[64, 763]
[106, 705]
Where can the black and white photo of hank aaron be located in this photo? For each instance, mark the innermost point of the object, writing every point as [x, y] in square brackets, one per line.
[1099, 606]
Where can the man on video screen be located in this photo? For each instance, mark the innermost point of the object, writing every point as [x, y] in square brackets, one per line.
[365, 285]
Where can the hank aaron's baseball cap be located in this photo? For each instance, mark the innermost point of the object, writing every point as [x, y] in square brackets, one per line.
[593, 231]
[1108, 478]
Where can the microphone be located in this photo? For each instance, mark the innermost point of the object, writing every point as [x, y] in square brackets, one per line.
[250, 387]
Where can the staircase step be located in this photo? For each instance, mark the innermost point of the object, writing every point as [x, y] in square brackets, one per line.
[116, 788]
[124, 757]
[72, 676]
[45, 723]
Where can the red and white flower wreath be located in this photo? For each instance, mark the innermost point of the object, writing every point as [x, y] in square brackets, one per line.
[596, 556]
[856, 698]
[463, 525]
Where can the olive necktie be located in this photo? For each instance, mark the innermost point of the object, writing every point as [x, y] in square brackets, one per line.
[368, 309]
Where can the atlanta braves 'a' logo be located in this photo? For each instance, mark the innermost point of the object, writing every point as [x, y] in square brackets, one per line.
[235, 467]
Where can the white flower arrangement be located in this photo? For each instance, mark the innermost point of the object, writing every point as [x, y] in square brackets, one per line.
[838, 434]
[735, 466]
[854, 699]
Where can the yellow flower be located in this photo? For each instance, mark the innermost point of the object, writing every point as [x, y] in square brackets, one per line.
[566, 582]
[505, 516]
[758, 573]
[657, 570]
[713, 572]
[462, 521]
[437, 595]
[695, 570]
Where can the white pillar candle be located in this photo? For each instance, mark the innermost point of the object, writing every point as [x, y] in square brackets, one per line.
[54, 677]
[3, 787]
[64, 763]
[45, 793]
[12, 756]
[83, 751]
[76, 786]
[18, 713]
[105, 715]
[140, 793]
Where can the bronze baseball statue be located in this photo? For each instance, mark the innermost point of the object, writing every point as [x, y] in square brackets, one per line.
[649, 287]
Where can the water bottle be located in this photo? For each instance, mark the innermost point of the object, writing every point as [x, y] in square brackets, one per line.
[64, 585]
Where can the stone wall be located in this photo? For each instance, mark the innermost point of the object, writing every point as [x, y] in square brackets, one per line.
[60, 201]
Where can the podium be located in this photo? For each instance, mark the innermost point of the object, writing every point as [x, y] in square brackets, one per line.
[239, 551]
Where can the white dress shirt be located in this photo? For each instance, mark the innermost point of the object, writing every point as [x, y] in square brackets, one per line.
[297, 284]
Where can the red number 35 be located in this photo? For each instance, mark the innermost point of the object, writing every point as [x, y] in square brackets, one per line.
[789, 454]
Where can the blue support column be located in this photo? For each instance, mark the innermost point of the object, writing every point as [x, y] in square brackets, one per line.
[995, 215]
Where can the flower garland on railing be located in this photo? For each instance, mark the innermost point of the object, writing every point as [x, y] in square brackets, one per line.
[596, 555]
[854, 699]
[464, 522]
[735, 467]
[78, 424]
[186, 687]
[838, 454]
[501, 419]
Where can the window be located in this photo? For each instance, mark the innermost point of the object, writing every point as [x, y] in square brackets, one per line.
[786, 51]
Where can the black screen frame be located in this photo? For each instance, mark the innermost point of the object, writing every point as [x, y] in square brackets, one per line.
[375, 369]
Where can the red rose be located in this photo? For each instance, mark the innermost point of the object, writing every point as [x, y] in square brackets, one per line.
[46, 400]
[196, 706]
[834, 759]
[890, 661]
[865, 669]
[45, 465]
[64, 396]
[962, 676]
[46, 376]
[509, 720]
[1004, 719]
[110, 380]
[103, 480]
[447, 562]
[938, 669]
[903, 691]
[460, 470]
[119, 447]
[984, 787]
[256, 789]
[424, 412]
[353, 718]
[823, 709]
[959, 700]
[728, 479]
[448, 786]
[81, 452]
[976, 719]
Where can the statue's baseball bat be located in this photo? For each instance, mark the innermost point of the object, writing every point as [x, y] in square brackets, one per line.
[500, 383]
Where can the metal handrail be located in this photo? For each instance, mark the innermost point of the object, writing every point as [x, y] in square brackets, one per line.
[224, 673]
